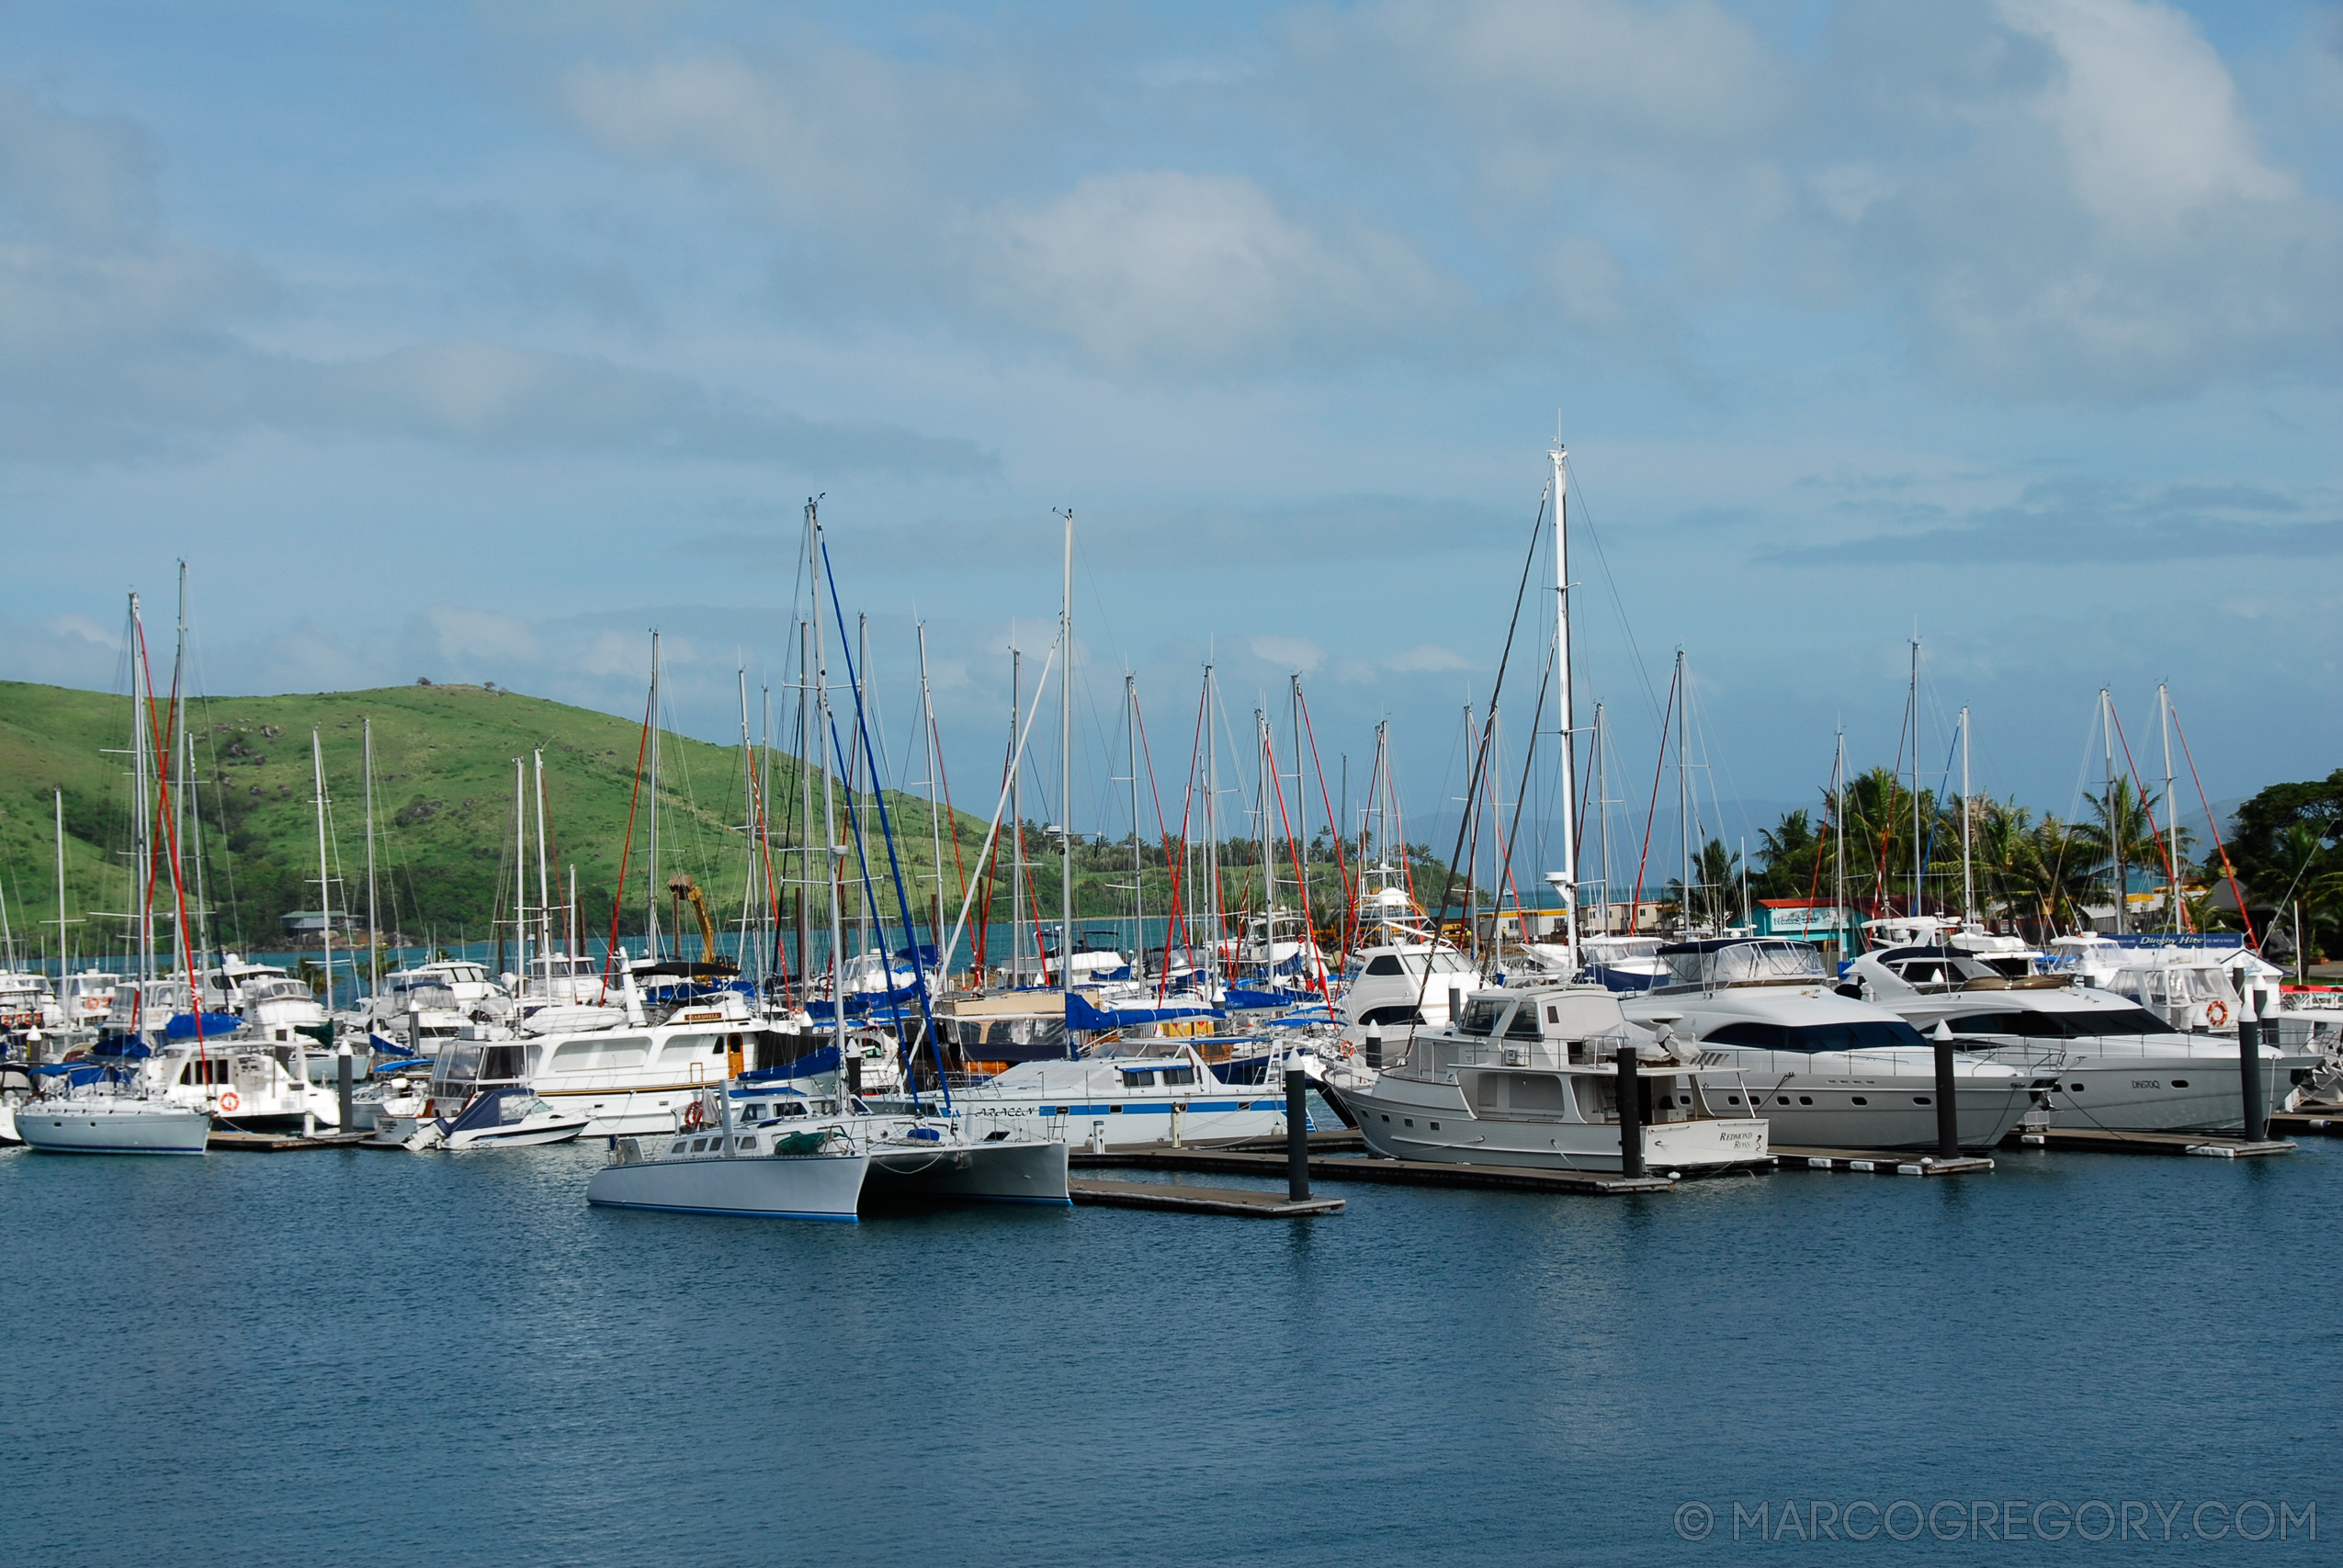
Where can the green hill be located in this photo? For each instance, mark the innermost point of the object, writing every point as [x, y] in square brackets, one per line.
[444, 807]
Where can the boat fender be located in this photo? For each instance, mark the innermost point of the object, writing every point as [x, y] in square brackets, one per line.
[2216, 1014]
[229, 1101]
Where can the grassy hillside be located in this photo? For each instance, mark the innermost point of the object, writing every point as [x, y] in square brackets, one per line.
[443, 799]
[444, 802]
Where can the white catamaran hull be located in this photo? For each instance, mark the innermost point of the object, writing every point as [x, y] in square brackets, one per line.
[106, 1128]
[832, 1186]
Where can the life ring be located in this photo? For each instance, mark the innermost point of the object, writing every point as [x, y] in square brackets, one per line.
[229, 1101]
[694, 1116]
[1349, 1049]
[2216, 1014]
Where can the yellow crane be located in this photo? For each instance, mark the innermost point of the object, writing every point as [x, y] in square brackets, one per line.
[681, 887]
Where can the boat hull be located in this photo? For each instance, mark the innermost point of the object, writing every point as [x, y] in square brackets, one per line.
[1403, 1125]
[1887, 1112]
[107, 1130]
[2173, 1095]
[835, 1186]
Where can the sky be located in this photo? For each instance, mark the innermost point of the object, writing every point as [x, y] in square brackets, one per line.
[472, 342]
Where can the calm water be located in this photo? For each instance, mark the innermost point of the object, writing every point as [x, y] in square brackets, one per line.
[366, 1356]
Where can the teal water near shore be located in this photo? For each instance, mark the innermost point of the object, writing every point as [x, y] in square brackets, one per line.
[359, 1357]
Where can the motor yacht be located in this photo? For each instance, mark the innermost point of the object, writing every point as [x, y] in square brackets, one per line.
[1530, 1076]
[1123, 1094]
[1827, 1070]
[2117, 1066]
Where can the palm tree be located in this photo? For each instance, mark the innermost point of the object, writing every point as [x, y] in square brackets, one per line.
[2121, 834]
[1792, 853]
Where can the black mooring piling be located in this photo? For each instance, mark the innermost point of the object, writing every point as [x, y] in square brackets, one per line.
[2249, 1038]
[1948, 1108]
[1298, 1136]
[1631, 1115]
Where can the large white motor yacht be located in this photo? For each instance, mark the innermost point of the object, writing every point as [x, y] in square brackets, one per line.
[1531, 1077]
[1827, 1070]
[2118, 1065]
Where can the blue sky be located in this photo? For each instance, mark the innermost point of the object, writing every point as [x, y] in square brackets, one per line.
[470, 342]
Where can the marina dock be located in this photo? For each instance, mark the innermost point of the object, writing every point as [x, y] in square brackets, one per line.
[1251, 1203]
[1879, 1162]
[279, 1143]
[2094, 1141]
[1226, 1161]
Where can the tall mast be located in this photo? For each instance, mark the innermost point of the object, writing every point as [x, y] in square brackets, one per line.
[651, 926]
[2172, 856]
[1066, 772]
[935, 815]
[1683, 793]
[325, 873]
[141, 841]
[521, 870]
[1138, 868]
[1211, 827]
[1268, 855]
[176, 728]
[2114, 828]
[1918, 850]
[754, 801]
[805, 801]
[829, 810]
[1838, 833]
[544, 883]
[1602, 816]
[61, 960]
[769, 942]
[1566, 718]
[857, 813]
[373, 929]
[195, 817]
[1016, 815]
[1968, 874]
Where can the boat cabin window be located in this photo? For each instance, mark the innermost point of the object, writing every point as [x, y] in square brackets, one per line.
[1385, 964]
[1742, 962]
[504, 1062]
[2025, 1025]
[600, 1055]
[682, 1046]
[2120, 1020]
[1864, 1034]
[1481, 1015]
[1523, 1023]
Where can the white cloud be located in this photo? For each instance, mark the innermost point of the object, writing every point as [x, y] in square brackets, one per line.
[1425, 659]
[1289, 652]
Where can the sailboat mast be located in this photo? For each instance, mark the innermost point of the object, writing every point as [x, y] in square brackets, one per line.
[1065, 770]
[854, 777]
[1602, 815]
[325, 873]
[934, 768]
[829, 810]
[141, 841]
[1138, 871]
[1683, 795]
[650, 925]
[1968, 874]
[2172, 856]
[1838, 833]
[544, 883]
[2115, 829]
[521, 869]
[754, 801]
[805, 801]
[179, 795]
[1564, 716]
[1016, 815]
[62, 958]
[1918, 850]
[373, 928]
[1211, 827]
[195, 817]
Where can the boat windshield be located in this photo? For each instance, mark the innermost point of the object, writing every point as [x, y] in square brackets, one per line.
[2030, 1025]
[1860, 1034]
[1742, 963]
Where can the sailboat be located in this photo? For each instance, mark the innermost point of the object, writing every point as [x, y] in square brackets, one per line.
[824, 1166]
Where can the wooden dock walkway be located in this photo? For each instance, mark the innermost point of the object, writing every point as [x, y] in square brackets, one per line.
[277, 1142]
[2096, 1141]
[1346, 1167]
[1878, 1162]
[1251, 1203]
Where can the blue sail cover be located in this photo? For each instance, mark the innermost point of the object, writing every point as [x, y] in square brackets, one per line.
[1079, 1014]
[383, 1045]
[811, 1065]
[183, 1025]
[1248, 1001]
[860, 1004]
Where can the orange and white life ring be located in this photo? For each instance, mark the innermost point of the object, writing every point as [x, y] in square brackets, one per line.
[694, 1116]
[2216, 1014]
[229, 1101]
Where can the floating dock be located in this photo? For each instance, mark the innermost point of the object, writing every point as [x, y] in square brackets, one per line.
[2315, 1121]
[1226, 1161]
[1878, 1162]
[2096, 1141]
[1245, 1203]
[277, 1142]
